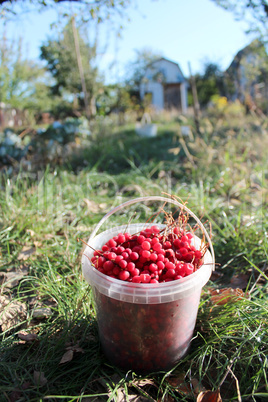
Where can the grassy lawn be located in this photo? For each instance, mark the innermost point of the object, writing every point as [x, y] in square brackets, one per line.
[50, 347]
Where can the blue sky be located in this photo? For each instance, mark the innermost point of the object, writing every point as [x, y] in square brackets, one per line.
[183, 31]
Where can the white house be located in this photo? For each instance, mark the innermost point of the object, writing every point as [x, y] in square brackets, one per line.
[165, 83]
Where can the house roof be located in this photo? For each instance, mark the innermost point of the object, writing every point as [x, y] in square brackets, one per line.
[169, 61]
[249, 49]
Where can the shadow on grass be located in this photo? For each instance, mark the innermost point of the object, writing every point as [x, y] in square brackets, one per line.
[119, 152]
[32, 370]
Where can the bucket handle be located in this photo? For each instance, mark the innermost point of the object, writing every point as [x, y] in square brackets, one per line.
[162, 199]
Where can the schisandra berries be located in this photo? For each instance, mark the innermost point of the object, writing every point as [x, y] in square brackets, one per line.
[152, 256]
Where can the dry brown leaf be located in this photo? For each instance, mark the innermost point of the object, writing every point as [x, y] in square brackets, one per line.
[216, 275]
[75, 348]
[24, 336]
[39, 378]
[240, 281]
[143, 382]
[12, 313]
[209, 396]
[31, 232]
[49, 236]
[178, 382]
[174, 151]
[91, 205]
[67, 357]
[26, 252]
[42, 312]
[11, 279]
[225, 295]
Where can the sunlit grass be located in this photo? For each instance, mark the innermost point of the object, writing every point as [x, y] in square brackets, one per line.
[48, 210]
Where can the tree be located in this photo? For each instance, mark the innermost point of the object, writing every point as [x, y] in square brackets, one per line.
[255, 12]
[22, 83]
[71, 61]
[136, 68]
[210, 83]
[100, 9]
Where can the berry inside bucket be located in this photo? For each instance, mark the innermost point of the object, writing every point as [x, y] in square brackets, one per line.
[146, 324]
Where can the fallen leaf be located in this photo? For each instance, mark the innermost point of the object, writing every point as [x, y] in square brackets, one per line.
[42, 312]
[49, 236]
[174, 151]
[178, 382]
[91, 205]
[216, 275]
[225, 295]
[75, 348]
[26, 252]
[11, 279]
[31, 232]
[143, 382]
[24, 336]
[67, 357]
[16, 394]
[39, 378]
[12, 313]
[240, 281]
[209, 396]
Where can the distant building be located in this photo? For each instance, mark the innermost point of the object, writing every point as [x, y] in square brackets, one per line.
[246, 77]
[166, 86]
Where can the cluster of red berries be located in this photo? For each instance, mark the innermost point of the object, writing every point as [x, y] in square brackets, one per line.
[151, 256]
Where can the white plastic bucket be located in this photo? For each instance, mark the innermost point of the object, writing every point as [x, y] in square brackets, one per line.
[145, 327]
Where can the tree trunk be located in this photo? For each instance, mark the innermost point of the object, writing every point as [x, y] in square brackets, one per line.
[81, 70]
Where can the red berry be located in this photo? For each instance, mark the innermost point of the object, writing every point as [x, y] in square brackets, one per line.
[123, 264]
[145, 278]
[153, 267]
[188, 268]
[157, 247]
[134, 256]
[160, 265]
[118, 258]
[146, 254]
[112, 256]
[170, 273]
[108, 266]
[124, 275]
[136, 279]
[146, 245]
[141, 239]
[153, 257]
[112, 243]
[130, 267]
[121, 238]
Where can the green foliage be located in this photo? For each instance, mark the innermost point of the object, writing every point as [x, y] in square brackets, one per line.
[136, 68]
[254, 12]
[209, 83]
[62, 62]
[22, 82]
[225, 183]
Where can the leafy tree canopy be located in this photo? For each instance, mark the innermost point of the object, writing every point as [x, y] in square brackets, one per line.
[100, 10]
[209, 83]
[254, 12]
[61, 60]
[136, 68]
[22, 81]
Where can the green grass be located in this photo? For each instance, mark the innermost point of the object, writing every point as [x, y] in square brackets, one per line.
[49, 209]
